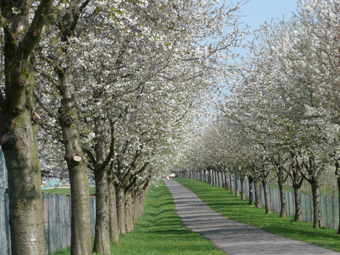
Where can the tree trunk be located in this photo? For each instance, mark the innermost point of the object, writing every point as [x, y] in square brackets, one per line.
[283, 211]
[19, 144]
[338, 181]
[251, 193]
[231, 183]
[266, 197]
[102, 236]
[216, 179]
[138, 207]
[121, 209]
[19, 123]
[257, 194]
[128, 211]
[237, 190]
[317, 223]
[298, 208]
[135, 210]
[213, 178]
[243, 193]
[77, 166]
[226, 181]
[114, 232]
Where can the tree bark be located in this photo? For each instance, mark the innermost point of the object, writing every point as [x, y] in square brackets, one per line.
[213, 179]
[338, 181]
[311, 174]
[114, 232]
[135, 210]
[243, 193]
[297, 180]
[251, 192]
[128, 211]
[226, 181]
[121, 209]
[80, 214]
[283, 211]
[231, 183]
[216, 179]
[102, 235]
[266, 196]
[19, 123]
[237, 190]
[257, 194]
[277, 162]
[298, 208]
[317, 223]
[19, 144]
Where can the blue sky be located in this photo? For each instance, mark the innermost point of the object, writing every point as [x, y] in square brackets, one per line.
[259, 11]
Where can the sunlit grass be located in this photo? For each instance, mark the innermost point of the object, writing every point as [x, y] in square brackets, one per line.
[160, 231]
[228, 205]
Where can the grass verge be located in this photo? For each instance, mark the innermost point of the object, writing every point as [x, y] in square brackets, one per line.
[160, 231]
[225, 203]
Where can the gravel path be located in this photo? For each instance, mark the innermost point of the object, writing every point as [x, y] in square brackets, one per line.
[231, 236]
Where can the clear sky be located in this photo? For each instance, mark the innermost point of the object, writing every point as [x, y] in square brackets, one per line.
[259, 11]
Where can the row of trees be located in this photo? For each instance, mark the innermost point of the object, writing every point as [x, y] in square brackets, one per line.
[282, 113]
[113, 87]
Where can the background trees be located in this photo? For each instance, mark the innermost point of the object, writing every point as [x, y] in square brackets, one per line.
[283, 101]
[121, 80]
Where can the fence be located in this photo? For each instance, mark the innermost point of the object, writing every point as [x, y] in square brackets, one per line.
[4, 227]
[329, 205]
[57, 222]
[57, 217]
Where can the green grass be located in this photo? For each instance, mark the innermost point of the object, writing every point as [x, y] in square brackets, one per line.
[66, 251]
[226, 204]
[160, 231]
[67, 191]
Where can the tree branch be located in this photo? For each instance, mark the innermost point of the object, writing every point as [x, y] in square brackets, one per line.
[90, 155]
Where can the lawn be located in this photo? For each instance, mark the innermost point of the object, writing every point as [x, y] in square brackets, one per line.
[160, 231]
[226, 204]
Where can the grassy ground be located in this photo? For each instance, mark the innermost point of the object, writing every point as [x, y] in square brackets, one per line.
[226, 204]
[160, 231]
[67, 191]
